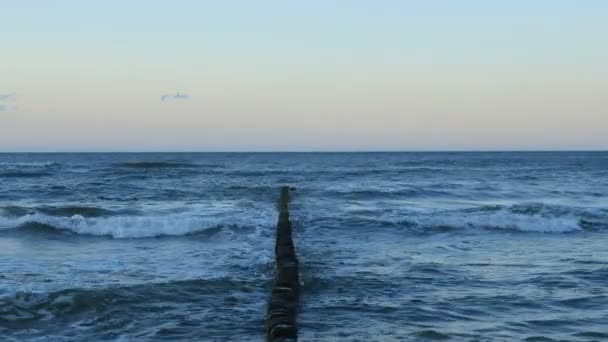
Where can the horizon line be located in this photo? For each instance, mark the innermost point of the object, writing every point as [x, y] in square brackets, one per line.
[309, 151]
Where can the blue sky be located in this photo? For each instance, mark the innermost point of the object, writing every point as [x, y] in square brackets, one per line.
[308, 75]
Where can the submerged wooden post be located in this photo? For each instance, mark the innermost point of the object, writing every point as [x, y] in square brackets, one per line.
[282, 308]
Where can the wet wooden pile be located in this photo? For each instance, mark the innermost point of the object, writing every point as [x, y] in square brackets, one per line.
[282, 307]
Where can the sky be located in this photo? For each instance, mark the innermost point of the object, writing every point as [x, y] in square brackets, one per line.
[314, 75]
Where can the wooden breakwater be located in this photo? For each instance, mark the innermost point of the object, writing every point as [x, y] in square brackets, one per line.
[282, 307]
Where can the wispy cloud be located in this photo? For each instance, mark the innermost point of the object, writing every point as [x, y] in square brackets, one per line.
[174, 97]
[8, 97]
[6, 100]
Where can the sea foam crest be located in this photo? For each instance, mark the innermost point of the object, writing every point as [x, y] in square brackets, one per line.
[509, 221]
[120, 227]
[542, 219]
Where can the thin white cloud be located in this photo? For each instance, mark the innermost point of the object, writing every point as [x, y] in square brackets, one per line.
[8, 97]
[6, 102]
[174, 97]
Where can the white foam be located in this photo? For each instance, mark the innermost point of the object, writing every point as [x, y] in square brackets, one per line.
[503, 219]
[147, 226]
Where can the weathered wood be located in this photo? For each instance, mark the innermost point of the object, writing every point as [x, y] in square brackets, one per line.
[282, 307]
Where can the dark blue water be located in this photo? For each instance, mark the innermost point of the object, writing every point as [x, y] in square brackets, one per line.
[393, 246]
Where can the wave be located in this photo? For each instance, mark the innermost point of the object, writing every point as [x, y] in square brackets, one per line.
[366, 194]
[24, 174]
[165, 164]
[27, 306]
[27, 169]
[43, 228]
[130, 226]
[375, 171]
[526, 217]
[28, 164]
[69, 210]
[529, 217]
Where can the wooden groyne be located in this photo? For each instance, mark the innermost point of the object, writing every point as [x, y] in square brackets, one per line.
[283, 304]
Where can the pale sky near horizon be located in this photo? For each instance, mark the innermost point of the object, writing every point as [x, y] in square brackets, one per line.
[303, 75]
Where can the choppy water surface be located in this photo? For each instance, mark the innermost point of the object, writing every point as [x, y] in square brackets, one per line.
[393, 246]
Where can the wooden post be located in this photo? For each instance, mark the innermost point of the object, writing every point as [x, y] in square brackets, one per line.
[282, 308]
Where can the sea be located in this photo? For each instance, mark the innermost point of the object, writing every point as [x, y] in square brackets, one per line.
[459, 246]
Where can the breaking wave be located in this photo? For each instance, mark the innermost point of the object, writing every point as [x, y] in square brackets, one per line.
[130, 226]
[532, 217]
[527, 217]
